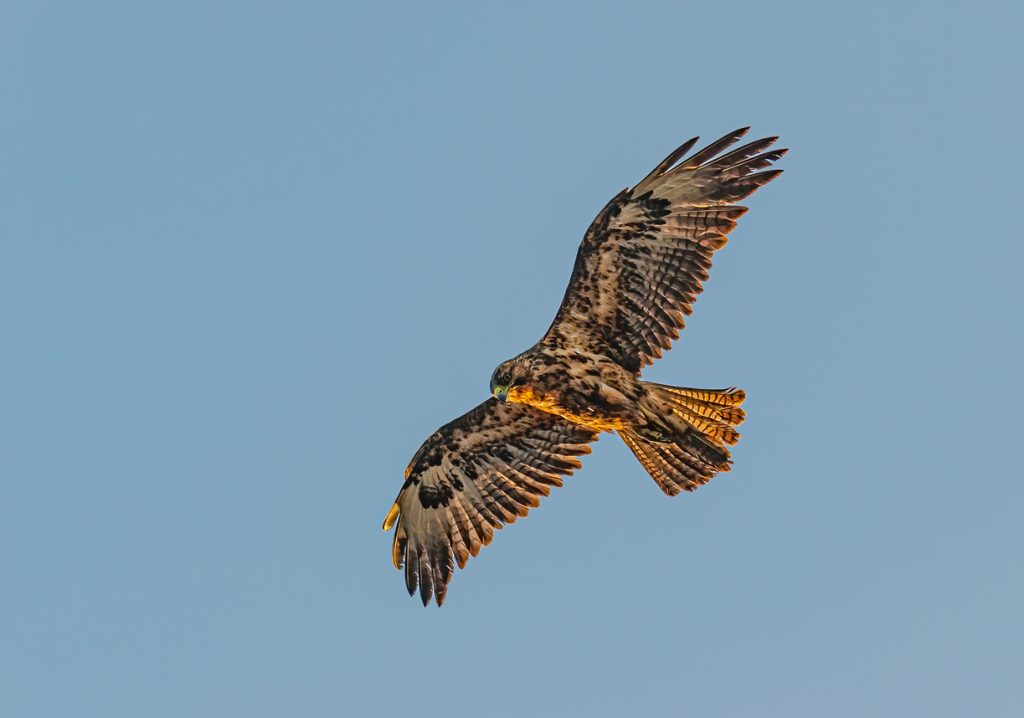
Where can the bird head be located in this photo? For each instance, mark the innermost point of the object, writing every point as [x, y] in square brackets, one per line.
[506, 376]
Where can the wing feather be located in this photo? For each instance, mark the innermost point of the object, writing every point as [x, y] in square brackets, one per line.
[699, 158]
[471, 477]
[647, 254]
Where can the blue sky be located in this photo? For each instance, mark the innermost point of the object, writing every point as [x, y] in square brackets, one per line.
[251, 255]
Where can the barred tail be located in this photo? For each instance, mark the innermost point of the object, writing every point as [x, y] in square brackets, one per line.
[686, 440]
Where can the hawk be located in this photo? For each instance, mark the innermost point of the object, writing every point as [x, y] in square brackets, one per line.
[639, 268]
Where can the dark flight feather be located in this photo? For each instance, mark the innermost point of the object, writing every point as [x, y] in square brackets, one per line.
[645, 257]
[470, 478]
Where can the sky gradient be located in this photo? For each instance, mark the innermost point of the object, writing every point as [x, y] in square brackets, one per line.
[251, 255]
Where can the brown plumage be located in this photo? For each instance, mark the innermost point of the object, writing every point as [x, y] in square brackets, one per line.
[641, 265]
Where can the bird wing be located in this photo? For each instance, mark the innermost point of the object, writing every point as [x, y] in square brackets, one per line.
[472, 476]
[645, 257]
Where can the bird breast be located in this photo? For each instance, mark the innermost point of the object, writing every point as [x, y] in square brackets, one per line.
[549, 402]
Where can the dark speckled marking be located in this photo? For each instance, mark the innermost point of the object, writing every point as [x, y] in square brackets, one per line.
[433, 496]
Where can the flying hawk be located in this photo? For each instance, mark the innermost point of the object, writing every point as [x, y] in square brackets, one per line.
[639, 269]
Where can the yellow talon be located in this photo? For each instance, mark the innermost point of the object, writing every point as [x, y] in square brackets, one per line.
[392, 516]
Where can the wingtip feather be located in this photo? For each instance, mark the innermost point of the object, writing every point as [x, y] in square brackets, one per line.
[389, 520]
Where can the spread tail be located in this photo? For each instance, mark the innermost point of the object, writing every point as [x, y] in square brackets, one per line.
[686, 440]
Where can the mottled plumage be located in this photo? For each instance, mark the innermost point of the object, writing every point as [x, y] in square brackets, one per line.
[640, 266]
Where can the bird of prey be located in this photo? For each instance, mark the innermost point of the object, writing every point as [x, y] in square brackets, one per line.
[639, 268]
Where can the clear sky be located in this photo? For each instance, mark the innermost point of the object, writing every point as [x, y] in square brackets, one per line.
[252, 255]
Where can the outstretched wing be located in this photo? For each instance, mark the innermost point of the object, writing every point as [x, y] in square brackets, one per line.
[645, 257]
[472, 476]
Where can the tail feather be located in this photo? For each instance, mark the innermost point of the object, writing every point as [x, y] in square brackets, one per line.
[720, 397]
[730, 415]
[672, 466]
[708, 421]
[700, 428]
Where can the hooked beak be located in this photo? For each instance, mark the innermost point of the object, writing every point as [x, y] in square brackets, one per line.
[501, 394]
